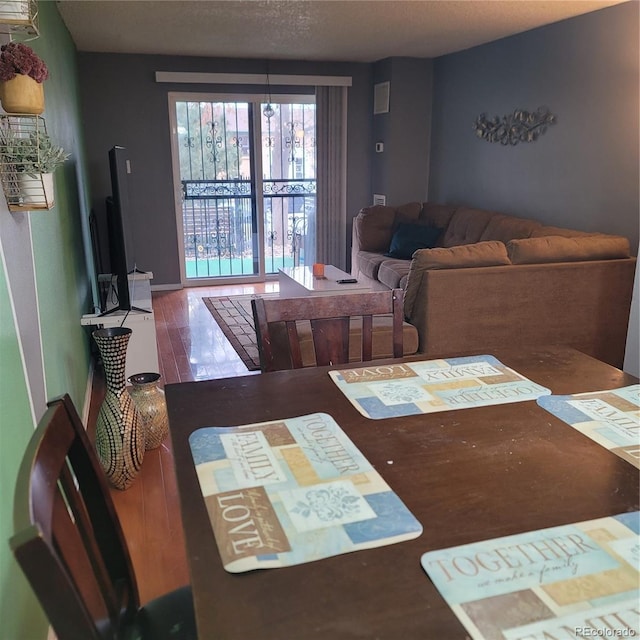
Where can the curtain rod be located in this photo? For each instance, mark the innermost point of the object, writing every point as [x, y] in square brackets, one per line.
[252, 78]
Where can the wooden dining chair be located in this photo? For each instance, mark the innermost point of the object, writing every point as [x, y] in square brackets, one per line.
[277, 323]
[70, 545]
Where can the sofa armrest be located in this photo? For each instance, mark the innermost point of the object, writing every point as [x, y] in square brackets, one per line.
[373, 227]
[584, 305]
[481, 254]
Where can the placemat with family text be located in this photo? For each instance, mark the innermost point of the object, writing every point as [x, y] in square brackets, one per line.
[285, 492]
[427, 386]
[610, 418]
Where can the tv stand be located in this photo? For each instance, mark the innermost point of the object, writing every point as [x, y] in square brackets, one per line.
[142, 351]
[110, 281]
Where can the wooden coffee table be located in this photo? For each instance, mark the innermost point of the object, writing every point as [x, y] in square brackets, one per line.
[300, 281]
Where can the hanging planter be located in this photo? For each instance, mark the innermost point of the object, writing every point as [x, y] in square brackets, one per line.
[27, 162]
[14, 10]
[22, 73]
[19, 16]
[22, 94]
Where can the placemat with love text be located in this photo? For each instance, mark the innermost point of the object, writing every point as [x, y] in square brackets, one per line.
[285, 492]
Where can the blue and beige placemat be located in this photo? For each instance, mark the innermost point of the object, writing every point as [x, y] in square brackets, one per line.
[573, 581]
[610, 418]
[291, 491]
[427, 386]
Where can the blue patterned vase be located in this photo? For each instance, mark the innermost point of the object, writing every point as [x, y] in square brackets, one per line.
[120, 436]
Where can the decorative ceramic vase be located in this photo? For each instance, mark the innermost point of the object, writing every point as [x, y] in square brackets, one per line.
[151, 405]
[119, 430]
[22, 94]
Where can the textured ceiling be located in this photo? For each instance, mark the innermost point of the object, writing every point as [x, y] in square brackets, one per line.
[331, 30]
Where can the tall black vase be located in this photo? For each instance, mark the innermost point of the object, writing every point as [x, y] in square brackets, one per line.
[120, 437]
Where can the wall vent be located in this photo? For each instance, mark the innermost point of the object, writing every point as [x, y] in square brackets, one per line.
[381, 97]
[378, 198]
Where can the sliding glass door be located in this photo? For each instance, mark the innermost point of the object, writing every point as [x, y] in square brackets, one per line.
[245, 178]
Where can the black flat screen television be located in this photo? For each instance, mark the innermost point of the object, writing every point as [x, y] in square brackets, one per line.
[121, 246]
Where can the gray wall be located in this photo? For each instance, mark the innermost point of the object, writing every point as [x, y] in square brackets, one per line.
[583, 173]
[122, 104]
[399, 171]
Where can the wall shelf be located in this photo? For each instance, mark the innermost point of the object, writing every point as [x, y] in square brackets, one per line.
[23, 191]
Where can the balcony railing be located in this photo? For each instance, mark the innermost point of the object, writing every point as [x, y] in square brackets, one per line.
[220, 223]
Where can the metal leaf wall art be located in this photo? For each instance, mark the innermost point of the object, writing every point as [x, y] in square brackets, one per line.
[519, 126]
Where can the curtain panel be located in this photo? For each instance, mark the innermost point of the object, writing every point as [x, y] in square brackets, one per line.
[331, 175]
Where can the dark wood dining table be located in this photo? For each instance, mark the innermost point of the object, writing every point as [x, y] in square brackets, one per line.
[467, 475]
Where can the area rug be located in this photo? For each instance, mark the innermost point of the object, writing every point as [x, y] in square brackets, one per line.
[234, 316]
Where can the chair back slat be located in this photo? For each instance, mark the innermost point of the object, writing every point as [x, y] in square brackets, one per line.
[34, 555]
[330, 340]
[68, 539]
[367, 339]
[294, 345]
[79, 564]
[79, 542]
[330, 318]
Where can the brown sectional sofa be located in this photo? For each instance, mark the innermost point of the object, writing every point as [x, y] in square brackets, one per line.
[492, 280]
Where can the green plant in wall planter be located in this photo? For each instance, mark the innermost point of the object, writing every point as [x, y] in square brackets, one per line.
[34, 159]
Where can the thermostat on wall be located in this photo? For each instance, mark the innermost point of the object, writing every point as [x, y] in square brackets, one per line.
[379, 198]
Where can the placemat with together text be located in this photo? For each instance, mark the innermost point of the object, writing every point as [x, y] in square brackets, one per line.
[572, 581]
[427, 386]
[290, 491]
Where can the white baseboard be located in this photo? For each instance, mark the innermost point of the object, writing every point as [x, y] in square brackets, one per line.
[165, 287]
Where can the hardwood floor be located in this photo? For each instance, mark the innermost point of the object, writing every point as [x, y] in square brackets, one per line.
[191, 347]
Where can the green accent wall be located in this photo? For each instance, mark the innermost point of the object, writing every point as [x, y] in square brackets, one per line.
[64, 291]
[21, 615]
[59, 236]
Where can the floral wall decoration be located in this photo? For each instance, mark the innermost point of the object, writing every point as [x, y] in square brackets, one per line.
[519, 126]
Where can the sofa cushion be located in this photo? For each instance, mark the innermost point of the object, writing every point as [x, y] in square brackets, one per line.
[559, 231]
[562, 249]
[391, 272]
[437, 215]
[369, 263]
[481, 254]
[490, 253]
[373, 226]
[466, 226]
[505, 228]
[407, 213]
[408, 238]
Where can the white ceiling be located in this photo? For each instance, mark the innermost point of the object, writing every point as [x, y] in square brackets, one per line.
[330, 30]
